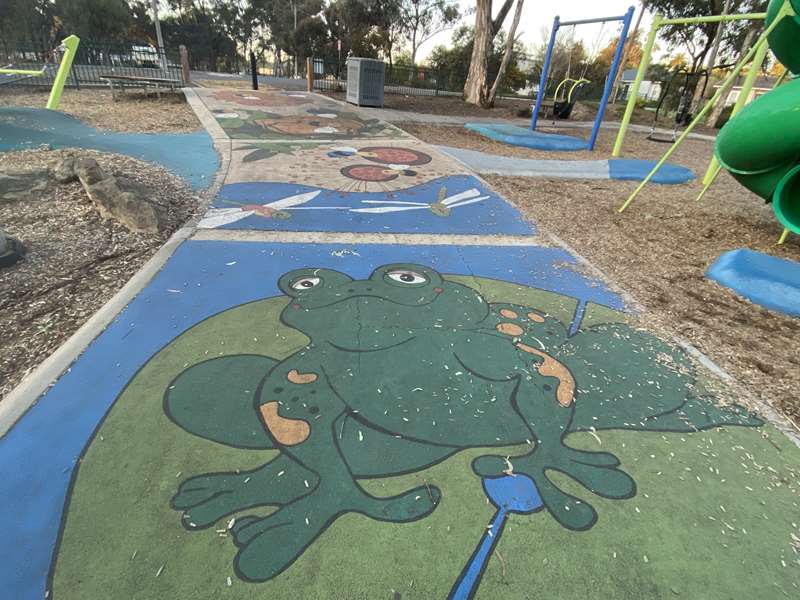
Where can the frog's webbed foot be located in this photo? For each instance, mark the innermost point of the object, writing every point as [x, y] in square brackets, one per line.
[269, 545]
[206, 499]
[697, 414]
[598, 472]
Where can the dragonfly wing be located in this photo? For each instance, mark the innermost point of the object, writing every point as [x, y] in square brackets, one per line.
[471, 193]
[295, 200]
[394, 202]
[481, 199]
[387, 209]
[216, 217]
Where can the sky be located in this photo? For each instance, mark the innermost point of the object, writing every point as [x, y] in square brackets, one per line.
[537, 21]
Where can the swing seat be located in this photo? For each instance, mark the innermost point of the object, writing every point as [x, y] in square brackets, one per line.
[563, 110]
[661, 139]
[524, 137]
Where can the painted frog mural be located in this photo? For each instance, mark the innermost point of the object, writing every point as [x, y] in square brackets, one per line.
[403, 370]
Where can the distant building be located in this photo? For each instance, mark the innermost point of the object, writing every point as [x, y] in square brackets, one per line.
[649, 91]
[762, 86]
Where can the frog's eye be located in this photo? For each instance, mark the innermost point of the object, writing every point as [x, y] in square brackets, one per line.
[306, 283]
[407, 277]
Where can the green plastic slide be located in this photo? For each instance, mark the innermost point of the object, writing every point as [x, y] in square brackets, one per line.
[761, 145]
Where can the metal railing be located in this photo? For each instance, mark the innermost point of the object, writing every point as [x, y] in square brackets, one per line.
[92, 60]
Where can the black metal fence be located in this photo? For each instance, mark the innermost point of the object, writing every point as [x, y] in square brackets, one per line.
[92, 60]
[331, 76]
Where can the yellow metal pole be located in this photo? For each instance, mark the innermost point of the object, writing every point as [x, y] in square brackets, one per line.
[71, 45]
[709, 181]
[724, 88]
[22, 72]
[716, 19]
[784, 237]
[647, 56]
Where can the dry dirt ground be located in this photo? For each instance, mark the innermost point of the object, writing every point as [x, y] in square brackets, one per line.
[75, 260]
[513, 109]
[132, 112]
[449, 105]
[659, 250]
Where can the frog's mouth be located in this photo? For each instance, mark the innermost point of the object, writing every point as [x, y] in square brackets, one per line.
[371, 349]
[380, 299]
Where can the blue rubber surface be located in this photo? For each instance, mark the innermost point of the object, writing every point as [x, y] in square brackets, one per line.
[188, 155]
[522, 136]
[771, 282]
[627, 169]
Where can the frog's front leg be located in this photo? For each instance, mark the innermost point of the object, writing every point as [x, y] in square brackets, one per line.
[302, 424]
[547, 420]
[205, 499]
[544, 399]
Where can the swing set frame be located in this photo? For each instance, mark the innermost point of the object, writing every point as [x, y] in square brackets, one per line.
[647, 57]
[626, 20]
[754, 57]
[70, 47]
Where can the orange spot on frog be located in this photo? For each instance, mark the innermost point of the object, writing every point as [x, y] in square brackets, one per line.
[288, 432]
[510, 329]
[552, 368]
[294, 376]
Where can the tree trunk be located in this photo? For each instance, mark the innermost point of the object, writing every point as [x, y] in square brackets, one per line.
[716, 112]
[476, 88]
[699, 91]
[507, 55]
[631, 41]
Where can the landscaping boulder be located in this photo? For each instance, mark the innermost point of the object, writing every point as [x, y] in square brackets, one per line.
[118, 199]
[64, 170]
[11, 250]
[23, 185]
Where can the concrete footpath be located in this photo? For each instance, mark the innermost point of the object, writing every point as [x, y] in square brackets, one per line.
[366, 375]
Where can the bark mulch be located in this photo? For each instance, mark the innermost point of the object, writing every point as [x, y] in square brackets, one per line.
[75, 260]
[450, 105]
[132, 112]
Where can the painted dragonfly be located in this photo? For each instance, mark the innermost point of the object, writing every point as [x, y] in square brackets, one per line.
[442, 207]
[217, 217]
[281, 209]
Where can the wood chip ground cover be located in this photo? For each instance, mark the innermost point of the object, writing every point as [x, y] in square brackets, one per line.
[75, 261]
[132, 112]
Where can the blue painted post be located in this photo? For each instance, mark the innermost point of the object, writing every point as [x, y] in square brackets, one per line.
[612, 76]
[548, 57]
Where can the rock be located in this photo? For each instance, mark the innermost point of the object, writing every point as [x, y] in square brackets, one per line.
[64, 170]
[23, 185]
[89, 172]
[11, 250]
[118, 199]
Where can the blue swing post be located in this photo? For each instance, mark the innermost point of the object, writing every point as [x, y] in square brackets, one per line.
[548, 57]
[612, 76]
[626, 20]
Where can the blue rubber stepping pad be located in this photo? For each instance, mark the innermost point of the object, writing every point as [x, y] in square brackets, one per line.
[627, 169]
[522, 136]
[765, 280]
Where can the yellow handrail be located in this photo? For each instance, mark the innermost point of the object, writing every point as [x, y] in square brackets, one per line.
[576, 83]
[70, 47]
[23, 72]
